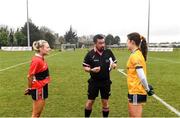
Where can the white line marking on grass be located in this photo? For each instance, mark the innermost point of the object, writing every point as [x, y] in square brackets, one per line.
[167, 60]
[167, 105]
[10, 67]
[122, 71]
[52, 55]
[157, 98]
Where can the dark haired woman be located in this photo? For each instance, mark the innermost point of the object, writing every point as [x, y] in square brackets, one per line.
[138, 87]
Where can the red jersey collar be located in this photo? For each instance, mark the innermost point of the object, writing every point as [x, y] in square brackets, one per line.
[38, 55]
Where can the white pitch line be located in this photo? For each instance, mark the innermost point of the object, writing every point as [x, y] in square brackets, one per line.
[10, 67]
[52, 55]
[167, 105]
[158, 98]
[122, 71]
[167, 60]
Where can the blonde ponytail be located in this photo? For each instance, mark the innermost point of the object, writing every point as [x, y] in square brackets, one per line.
[38, 44]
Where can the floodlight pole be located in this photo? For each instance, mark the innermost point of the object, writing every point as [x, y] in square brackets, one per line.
[148, 30]
[28, 36]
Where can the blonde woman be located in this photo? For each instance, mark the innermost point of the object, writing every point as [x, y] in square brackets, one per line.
[38, 77]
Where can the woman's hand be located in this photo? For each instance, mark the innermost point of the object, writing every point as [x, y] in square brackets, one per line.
[28, 91]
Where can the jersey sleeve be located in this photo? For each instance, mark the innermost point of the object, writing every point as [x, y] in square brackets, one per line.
[86, 62]
[135, 60]
[112, 56]
[33, 68]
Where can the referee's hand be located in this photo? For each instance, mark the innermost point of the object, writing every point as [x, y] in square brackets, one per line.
[96, 69]
[113, 66]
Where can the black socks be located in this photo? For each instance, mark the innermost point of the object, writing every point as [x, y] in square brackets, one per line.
[87, 113]
[105, 112]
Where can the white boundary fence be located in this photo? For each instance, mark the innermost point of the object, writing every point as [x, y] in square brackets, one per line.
[17, 48]
[160, 49]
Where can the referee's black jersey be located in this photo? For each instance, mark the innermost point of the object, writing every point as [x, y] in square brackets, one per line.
[94, 59]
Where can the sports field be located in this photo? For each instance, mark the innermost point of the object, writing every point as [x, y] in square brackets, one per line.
[68, 87]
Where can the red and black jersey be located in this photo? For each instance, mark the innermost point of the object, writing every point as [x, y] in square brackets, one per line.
[39, 70]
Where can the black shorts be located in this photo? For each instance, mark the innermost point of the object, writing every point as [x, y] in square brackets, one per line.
[137, 99]
[95, 86]
[41, 93]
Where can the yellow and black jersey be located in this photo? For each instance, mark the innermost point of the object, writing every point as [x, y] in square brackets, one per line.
[136, 60]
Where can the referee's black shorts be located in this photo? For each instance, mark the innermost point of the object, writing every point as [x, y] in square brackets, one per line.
[95, 86]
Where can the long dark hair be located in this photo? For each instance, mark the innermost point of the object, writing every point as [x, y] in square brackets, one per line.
[140, 41]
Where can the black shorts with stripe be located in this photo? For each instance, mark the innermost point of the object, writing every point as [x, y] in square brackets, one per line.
[137, 98]
[40, 93]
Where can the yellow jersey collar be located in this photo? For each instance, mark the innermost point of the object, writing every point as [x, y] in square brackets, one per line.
[134, 51]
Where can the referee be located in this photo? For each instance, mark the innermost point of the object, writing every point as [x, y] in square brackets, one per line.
[99, 62]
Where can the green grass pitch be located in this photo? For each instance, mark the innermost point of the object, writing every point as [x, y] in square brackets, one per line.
[68, 87]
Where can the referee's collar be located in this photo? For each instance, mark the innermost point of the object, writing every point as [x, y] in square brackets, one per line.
[96, 50]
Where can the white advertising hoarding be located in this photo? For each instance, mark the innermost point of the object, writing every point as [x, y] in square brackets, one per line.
[17, 48]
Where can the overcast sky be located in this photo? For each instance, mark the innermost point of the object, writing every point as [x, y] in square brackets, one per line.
[118, 17]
